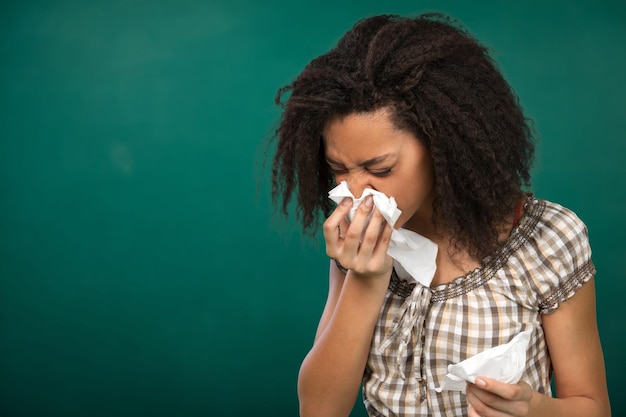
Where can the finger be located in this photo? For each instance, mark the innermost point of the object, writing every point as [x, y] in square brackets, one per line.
[337, 218]
[489, 403]
[384, 238]
[354, 233]
[476, 401]
[372, 233]
[343, 227]
[514, 392]
[363, 262]
[373, 250]
[471, 412]
[477, 408]
[336, 223]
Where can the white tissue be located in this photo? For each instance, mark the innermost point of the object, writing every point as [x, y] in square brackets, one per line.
[414, 255]
[505, 363]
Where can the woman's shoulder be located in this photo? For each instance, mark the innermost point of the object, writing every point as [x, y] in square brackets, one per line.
[559, 216]
[551, 224]
[550, 240]
[555, 252]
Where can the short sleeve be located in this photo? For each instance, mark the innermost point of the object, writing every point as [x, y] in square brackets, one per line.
[562, 255]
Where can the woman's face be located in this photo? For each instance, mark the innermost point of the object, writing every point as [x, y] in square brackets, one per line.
[367, 150]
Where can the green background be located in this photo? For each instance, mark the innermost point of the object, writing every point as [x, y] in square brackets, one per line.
[142, 270]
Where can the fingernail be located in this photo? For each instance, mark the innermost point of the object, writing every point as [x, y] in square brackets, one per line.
[346, 201]
[481, 382]
[368, 201]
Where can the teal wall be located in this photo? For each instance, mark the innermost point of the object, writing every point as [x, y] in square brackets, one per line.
[142, 274]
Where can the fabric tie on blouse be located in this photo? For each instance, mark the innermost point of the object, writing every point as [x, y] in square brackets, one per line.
[412, 315]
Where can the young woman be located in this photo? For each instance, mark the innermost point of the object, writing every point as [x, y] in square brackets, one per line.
[415, 108]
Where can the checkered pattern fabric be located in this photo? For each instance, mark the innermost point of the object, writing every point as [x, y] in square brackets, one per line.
[422, 330]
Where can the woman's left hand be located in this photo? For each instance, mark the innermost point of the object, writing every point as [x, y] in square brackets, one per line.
[490, 398]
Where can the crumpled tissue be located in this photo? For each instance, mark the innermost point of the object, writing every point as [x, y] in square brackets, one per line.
[414, 255]
[505, 363]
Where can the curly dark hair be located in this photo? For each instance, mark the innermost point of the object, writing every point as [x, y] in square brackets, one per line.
[440, 84]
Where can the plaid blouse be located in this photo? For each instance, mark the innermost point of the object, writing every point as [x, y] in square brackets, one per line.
[421, 330]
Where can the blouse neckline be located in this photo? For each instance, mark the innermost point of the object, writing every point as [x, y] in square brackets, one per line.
[533, 210]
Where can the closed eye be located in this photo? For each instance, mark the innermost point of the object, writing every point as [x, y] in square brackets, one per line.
[338, 171]
[381, 172]
[377, 173]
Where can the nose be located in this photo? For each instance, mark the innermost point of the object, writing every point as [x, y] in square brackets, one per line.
[358, 182]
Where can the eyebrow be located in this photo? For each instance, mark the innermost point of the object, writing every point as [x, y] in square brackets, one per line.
[372, 161]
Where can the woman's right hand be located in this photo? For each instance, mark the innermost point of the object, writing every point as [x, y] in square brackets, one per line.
[359, 246]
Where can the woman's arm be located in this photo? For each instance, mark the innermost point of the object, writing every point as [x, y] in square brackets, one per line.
[331, 373]
[574, 346]
[336, 279]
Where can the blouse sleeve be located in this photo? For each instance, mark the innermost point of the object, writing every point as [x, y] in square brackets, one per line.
[564, 258]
